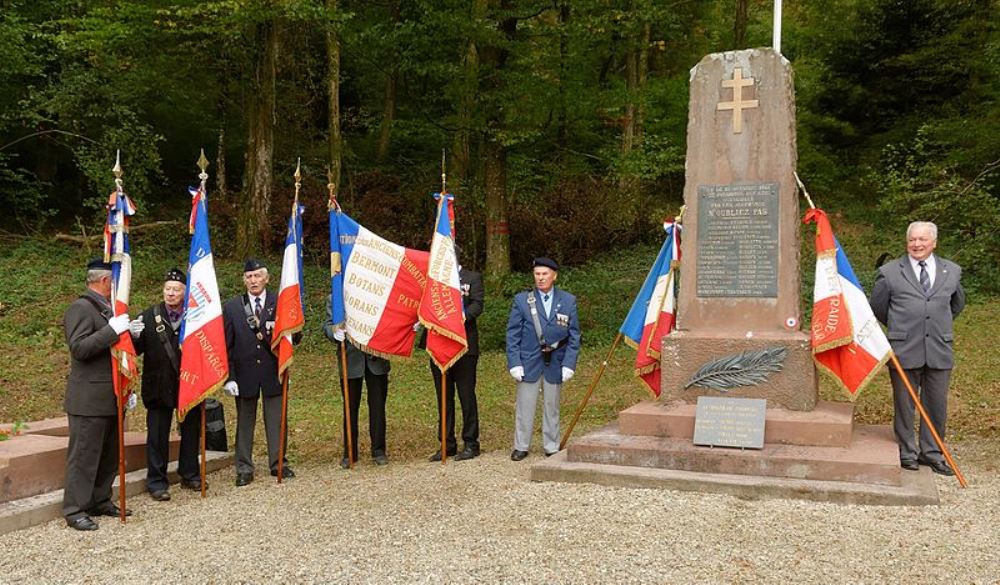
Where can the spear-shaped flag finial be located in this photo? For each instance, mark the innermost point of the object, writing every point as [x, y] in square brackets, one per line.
[117, 170]
[331, 188]
[298, 177]
[203, 165]
[444, 174]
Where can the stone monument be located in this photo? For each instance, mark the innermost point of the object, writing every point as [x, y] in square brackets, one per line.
[739, 324]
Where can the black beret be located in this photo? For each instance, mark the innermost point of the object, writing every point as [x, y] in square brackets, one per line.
[98, 264]
[252, 265]
[175, 274]
[546, 262]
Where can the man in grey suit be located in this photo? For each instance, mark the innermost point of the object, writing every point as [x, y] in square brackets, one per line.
[917, 297]
[91, 406]
[374, 372]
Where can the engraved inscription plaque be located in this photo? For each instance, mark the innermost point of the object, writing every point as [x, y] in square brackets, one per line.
[730, 422]
[737, 240]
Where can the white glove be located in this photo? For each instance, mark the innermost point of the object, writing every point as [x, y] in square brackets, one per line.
[119, 323]
[517, 372]
[417, 326]
[232, 388]
[136, 327]
[131, 402]
[338, 334]
[567, 374]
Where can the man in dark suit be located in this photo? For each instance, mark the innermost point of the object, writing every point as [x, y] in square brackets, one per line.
[91, 405]
[917, 297]
[462, 374]
[248, 321]
[158, 343]
[543, 343]
[373, 371]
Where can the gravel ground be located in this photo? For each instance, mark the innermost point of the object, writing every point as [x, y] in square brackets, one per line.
[483, 521]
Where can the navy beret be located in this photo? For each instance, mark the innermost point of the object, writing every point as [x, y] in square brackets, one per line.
[175, 274]
[98, 264]
[252, 265]
[546, 262]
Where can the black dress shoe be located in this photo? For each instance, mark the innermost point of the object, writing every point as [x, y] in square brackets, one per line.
[938, 467]
[516, 455]
[437, 455]
[243, 479]
[345, 463]
[82, 523]
[192, 484]
[909, 465]
[160, 495]
[286, 473]
[467, 453]
[112, 510]
[381, 459]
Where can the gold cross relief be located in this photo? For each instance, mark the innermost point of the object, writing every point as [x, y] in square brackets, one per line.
[738, 104]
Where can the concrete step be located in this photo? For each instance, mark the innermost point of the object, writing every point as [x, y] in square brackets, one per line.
[37, 509]
[829, 424]
[871, 458]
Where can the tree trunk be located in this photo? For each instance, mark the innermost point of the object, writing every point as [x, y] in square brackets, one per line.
[252, 234]
[336, 143]
[389, 101]
[740, 25]
[562, 132]
[462, 145]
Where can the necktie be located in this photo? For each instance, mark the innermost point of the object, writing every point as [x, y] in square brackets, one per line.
[545, 298]
[925, 279]
[174, 316]
[256, 311]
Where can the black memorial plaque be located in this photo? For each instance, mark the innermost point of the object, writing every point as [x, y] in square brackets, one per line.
[730, 422]
[738, 240]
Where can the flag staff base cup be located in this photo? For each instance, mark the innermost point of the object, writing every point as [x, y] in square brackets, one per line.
[202, 441]
[444, 451]
[927, 420]
[121, 458]
[586, 398]
[284, 426]
[347, 405]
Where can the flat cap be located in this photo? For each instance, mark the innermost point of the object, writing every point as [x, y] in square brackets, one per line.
[98, 264]
[253, 264]
[546, 262]
[175, 274]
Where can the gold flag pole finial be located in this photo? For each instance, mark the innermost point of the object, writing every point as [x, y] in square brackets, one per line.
[331, 189]
[203, 165]
[444, 174]
[117, 169]
[680, 214]
[804, 192]
[298, 177]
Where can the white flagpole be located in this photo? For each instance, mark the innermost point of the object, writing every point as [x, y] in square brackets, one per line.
[777, 26]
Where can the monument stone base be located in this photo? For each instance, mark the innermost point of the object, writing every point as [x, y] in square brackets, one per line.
[817, 455]
[685, 352]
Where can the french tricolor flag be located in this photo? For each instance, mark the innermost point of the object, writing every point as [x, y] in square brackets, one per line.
[847, 340]
[652, 314]
[118, 251]
[441, 310]
[289, 317]
[204, 360]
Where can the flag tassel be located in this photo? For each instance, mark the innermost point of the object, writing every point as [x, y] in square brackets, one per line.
[586, 398]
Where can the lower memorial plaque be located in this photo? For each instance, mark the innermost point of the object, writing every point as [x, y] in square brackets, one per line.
[730, 422]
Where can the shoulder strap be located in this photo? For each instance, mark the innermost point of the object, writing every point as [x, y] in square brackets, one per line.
[103, 310]
[161, 332]
[251, 317]
[534, 318]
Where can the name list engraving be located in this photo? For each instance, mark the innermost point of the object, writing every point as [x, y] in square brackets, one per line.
[730, 422]
[737, 240]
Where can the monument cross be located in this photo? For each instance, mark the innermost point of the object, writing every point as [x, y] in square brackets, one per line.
[738, 104]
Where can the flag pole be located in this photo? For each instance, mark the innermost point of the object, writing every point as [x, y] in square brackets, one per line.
[444, 373]
[906, 381]
[282, 442]
[586, 398]
[203, 176]
[347, 406]
[117, 170]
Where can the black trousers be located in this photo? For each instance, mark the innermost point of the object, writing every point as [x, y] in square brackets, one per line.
[158, 422]
[378, 391]
[461, 377]
[91, 464]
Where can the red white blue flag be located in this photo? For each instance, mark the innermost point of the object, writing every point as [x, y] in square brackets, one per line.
[118, 251]
[376, 287]
[289, 317]
[847, 340]
[441, 310]
[204, 360]
[653, 313]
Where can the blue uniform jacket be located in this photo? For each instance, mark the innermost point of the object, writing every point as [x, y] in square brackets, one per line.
[522, 342]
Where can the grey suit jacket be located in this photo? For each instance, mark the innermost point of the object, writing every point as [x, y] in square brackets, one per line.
[89, 389]
[920, 324]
